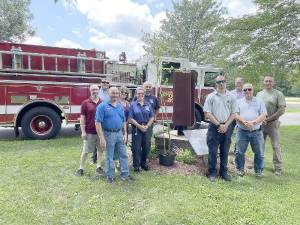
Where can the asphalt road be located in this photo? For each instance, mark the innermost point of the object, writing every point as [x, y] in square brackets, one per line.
[288, 119]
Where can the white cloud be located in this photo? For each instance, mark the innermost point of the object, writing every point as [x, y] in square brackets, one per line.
[34, 40]
[157, 20]
[122, 23]
[65, 43]
[118, 43]
[237, 8]
[114, 16]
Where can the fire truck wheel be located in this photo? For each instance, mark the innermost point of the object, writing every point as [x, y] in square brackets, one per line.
[41, 123]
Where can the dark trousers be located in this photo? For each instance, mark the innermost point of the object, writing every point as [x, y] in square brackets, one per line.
[140, 146]
[215, 141]
[94, 155]
[231, 130]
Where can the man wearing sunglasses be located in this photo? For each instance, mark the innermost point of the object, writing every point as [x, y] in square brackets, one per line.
[275, 104]
[252, 112]
[220, 108]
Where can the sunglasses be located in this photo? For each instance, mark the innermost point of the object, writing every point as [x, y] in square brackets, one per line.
[247, 89]
[221, 81]
[105, 82]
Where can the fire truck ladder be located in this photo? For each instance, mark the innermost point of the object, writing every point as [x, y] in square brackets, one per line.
[18, 58]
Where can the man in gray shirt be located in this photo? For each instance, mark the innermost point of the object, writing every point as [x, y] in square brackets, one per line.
[252, 112]
[220, 108]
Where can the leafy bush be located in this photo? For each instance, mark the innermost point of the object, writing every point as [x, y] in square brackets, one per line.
[186, 156]
[153, 152]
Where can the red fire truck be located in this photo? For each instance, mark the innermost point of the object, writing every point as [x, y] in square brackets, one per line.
[42, 86]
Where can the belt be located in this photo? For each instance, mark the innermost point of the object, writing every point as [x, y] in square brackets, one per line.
[251, 130]
[112, 130]
[138, 123]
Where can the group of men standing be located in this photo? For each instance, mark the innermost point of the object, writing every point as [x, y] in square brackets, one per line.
[255, 119]
[104, 126]
[106, 113]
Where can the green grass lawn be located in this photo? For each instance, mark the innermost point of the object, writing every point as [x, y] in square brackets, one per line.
[292, 110]
[38, 186]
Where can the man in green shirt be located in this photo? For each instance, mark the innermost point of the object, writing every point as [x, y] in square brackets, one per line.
[275, 104]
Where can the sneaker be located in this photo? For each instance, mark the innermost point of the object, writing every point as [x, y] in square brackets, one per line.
[212, 178]
[278, 173]
[128, 178]
[137, 170]
[226, 177]
[258, 174]
[110, 179]
[146, 168]
[240, 173]
[99, 171]
[79, 172]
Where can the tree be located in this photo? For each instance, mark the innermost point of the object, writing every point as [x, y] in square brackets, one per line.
[190, 31]
[264, 43]
[15, 18]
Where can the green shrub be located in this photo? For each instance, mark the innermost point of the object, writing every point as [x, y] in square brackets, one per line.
[186, 156]
[153, 152]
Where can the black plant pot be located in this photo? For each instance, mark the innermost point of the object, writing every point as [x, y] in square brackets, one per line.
[167, 160]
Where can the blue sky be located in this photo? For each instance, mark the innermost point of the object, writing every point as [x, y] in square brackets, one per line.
[108, 25]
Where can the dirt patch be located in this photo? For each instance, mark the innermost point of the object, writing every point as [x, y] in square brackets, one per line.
[200, 167]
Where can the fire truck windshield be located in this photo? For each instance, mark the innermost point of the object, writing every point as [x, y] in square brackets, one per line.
[167, 69]
[209, 79]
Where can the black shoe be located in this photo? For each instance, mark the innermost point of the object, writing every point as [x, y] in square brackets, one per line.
[99, 171]
[226, 177]
[137, 170]
[212, 178]
[128, 178]
[110, 180]
[146, 167]
[79, 172]
[240, 173]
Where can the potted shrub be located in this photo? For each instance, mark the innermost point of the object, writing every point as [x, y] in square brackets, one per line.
[166, 155]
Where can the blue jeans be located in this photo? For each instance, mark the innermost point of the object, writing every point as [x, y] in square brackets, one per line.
[216, 140]
[114, 142]
[256, 139]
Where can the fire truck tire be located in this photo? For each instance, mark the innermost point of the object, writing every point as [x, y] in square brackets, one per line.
[41, 123]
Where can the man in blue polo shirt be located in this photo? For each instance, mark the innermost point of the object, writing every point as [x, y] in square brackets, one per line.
[111, 129]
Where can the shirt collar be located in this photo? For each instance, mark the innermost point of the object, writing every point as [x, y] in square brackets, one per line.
[91, 100]
[226, 93]
[117, 105]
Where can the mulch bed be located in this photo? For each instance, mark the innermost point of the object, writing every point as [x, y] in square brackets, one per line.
[200, 167]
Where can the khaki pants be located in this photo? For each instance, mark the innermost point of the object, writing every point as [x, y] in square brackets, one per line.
[90, 143]
[272, 130]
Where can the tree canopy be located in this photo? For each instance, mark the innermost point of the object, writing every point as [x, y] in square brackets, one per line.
[251, 46]
[15, 18]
